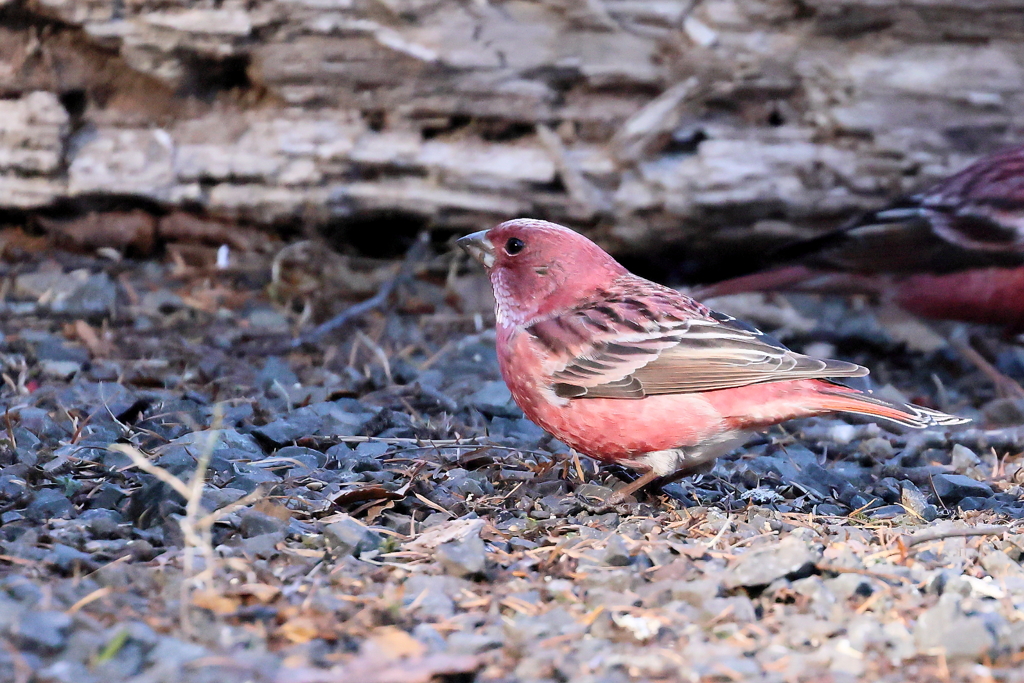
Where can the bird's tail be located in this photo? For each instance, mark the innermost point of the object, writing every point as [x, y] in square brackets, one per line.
[847, 400]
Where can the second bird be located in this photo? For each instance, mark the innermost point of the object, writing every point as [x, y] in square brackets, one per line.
[628, 371]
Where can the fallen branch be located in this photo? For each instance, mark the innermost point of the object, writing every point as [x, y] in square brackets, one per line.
[378, 300]
[939, 534]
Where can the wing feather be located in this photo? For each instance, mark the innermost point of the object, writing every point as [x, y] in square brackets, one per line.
[643, 343]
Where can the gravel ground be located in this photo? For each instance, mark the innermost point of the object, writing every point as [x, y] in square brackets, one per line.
[376, 509]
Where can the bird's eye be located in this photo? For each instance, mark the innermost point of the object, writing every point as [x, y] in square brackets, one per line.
[514, 246]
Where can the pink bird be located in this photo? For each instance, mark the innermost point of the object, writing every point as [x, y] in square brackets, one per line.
[627, 371]
[954, 251]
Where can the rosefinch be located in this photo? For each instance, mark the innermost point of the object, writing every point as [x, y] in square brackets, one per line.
[628, 371]
[954, 251]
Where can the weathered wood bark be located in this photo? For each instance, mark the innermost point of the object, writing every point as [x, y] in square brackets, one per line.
[644, 121]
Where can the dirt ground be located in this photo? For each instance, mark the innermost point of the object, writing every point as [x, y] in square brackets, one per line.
[188, 495]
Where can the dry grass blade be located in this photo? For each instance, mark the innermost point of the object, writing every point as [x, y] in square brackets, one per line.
[140, 461]
[245, 501]
[939, 534]
[91, 597]
[196, 531]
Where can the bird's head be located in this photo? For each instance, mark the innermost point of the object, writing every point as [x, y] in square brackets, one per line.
[538, 268]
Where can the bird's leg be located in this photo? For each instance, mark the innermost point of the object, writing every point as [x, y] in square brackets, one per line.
[676, 463]
[629, 489]
[1005, 386]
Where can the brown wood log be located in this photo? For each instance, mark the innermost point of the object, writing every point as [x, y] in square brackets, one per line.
[644, 122]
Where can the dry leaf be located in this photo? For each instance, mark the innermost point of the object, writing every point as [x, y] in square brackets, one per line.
[273, 509]
[391, 642]
[260, 591]
[98, 346]
[358, 495]
[299, 630]
[215, 602]
[374, 512]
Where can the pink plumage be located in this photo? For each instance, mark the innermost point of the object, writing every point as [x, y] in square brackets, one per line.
[625, 370]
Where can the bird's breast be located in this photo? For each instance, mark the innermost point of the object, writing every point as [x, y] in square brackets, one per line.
[607, 429]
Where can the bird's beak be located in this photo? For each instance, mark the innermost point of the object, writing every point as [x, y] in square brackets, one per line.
[479, 247]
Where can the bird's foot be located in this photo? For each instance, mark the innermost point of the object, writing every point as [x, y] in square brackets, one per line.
[624, 494]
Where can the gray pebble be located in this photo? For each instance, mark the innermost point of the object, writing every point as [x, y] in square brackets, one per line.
[349, 537]
[951, 488]
[49, 504]
[466, 557]
[43, 632]
[790, 556]
[253, 523]
[494, 399]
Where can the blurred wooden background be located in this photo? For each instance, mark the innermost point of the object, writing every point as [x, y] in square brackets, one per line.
[724, 124]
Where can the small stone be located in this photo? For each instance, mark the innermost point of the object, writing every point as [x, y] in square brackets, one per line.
[248, 478]
[887, 512]
[1004, 412]
[42, 632]
[947, 628]
[308, 458]
[263, 546]
[915, 501]
[293, 426]
[966, 462]
[65, 672]
[170, 652]
[594, 492]
[59, 369]
[952, 488]
[494, 399]
[254, 523]
[267, 319]
[106, 497]
[276, 372]
[68, 559]
[350, 537]
[976, 503]
[465, 557]
[215, 498]
[615, 552]
[49, 504]
[877, 448]
[791, 557]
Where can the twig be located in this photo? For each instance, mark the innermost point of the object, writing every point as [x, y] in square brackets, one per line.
[721, 532]
[939, 534]
[378, 300]
[887, 578]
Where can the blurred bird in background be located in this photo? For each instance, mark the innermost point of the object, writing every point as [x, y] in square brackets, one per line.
[954, 251]
[627, 371]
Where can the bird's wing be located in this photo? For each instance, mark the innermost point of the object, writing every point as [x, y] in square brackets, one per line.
[660, 342]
